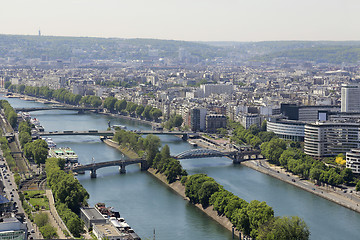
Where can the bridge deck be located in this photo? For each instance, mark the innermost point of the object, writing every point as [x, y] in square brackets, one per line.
[94, 166]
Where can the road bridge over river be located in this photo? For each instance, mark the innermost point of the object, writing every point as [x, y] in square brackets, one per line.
[79, 109]
[92, 167]
[111, 133]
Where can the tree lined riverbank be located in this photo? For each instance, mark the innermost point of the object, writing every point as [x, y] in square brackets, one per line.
[255, 219]
[323, 216]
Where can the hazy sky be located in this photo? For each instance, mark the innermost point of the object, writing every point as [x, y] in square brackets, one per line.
[194, 20]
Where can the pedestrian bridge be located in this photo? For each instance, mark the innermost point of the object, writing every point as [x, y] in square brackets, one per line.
[236, 156]
[92, 167]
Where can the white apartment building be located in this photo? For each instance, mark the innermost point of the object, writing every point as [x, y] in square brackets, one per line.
[353, 160]
[350, 98]
[249, 119]
[209, 89]
[324, 139]
[287, 129]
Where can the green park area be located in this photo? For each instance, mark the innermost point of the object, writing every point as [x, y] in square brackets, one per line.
[37, 199]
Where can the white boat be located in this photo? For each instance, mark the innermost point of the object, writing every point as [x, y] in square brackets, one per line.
[65, 153]
[35, 121]
[50, 143]
[194, 144]
[26, 116]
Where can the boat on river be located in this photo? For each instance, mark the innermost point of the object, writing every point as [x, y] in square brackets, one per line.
[65, 153]
[50, 143]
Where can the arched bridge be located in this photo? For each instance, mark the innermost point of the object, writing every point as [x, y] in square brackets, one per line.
[92, 167]
[200, 153]
[79, 109]
[236, 156]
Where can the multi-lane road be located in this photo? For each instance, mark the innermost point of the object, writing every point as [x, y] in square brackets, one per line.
[10, 191]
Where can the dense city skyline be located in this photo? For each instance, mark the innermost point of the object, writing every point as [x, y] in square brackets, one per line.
[184, 20]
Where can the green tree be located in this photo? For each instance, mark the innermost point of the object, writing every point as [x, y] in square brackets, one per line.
[24, 138]
[41, 219]
[120, 105]
[151, 144]
[165, 152]
[39, 151]
[259, 213]
[263, 126]
[284, 228]
[155, 114]
[48, 231]
[7, 85]
[347, 175]
[139, 110]
[109, 103]
[146, 112]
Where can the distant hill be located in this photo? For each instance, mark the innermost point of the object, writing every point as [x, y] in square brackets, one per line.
[64, 48]
[100, 48]
[317, 51]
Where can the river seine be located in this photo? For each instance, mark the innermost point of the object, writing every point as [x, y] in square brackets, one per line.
[147, 204]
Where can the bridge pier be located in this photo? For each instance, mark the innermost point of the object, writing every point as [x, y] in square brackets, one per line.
[184, 137]
[122, 169]
[238, 158]
[144, 166]
[93, 173]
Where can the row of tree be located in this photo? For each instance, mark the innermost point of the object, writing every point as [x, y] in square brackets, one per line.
[24, 133]
[36, 150]
[126, 107]
[255, 219]
[110, 103]
[149, 147]
[42, 221]
[290, 157]
[168, 166]
[297, 162]
[68, 193]
[254, 136]
[10, 113]
[174, 121]
[61, 95]
[6, 152]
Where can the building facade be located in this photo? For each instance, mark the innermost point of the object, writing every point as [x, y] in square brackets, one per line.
[350, 98]
[197, 119]
[214, 122]
[287, 129]
[325, 139]
[353, 160]
[250, 119]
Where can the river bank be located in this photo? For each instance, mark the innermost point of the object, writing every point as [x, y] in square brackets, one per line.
[348, 200]
[179, 189]
[42, 100]
[332, 195]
